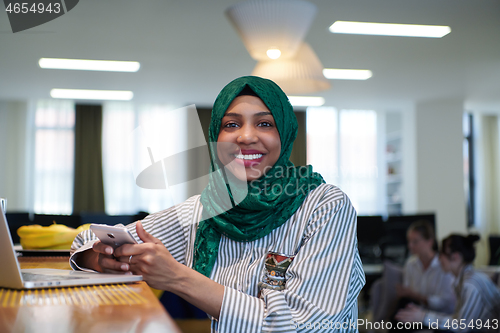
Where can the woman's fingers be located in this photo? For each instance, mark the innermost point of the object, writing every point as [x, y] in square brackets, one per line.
[411, 306]
[106, 261]
[145, 236]
[405, 315]
[102, 248]
[110, 264]
[147, 259]
[127, 250]
[411, 313]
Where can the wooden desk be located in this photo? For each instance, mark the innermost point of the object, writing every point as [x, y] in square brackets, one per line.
[90, 309]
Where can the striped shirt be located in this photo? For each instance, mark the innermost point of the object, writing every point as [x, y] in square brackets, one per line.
[478, 303]
[322, 282]
[432, 282]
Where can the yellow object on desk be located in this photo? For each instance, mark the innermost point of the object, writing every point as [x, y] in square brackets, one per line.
[53, 237]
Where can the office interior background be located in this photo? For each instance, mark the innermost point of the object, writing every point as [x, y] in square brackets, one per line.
[397, 143]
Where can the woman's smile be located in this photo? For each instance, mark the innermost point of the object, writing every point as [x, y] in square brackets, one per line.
[249, 157]
[249, 124]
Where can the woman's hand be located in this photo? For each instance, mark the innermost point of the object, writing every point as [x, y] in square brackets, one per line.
[102, 260]
[403, 291]
[150, 259]
[160, 270]
[411, 313]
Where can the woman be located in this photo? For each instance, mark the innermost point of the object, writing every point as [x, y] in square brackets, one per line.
[424, 281]
[478, 300]
[278, 253]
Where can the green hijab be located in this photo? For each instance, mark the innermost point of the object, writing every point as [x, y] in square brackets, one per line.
[260, 206]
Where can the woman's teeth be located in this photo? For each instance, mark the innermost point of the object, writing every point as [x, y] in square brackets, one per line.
[249, 157]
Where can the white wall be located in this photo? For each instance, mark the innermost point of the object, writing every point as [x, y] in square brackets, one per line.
[409, 162]
[381, 164]
[439, 164]
[487, 164]
[14, 184]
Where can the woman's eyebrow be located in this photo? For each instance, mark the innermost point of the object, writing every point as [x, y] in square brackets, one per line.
[238, 115]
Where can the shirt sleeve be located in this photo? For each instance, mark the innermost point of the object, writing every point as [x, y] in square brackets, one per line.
[444, 300]
[171, 226]
[459, 321]
[82, 242]
[407, 273]
[323, 281]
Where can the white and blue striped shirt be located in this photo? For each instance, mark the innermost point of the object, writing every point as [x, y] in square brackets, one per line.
[322, 282]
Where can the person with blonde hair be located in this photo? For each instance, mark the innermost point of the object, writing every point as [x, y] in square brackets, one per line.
[424, 281]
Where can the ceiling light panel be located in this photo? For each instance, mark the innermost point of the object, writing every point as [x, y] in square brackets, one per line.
[306, 100]
[90, 65]
[389, 29]
[115, 95]
[347, 74]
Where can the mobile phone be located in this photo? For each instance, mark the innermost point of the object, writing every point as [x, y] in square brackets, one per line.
[112, 236]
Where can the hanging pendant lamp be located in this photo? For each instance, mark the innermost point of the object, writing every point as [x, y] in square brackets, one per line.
[272, 28]
[300, 75]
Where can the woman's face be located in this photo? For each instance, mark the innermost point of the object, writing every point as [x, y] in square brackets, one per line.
[444, 260]
[249, 124]
[418, 244]
[451, 262]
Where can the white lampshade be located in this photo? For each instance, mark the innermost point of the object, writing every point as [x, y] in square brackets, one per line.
[300, 75]
[272, 24]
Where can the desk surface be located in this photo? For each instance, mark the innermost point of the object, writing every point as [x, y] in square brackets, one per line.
[89, 309]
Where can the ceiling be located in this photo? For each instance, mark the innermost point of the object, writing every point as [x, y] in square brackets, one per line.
[188, 51]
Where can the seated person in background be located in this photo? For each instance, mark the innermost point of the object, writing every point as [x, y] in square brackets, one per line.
[424, 281]
[478, 300]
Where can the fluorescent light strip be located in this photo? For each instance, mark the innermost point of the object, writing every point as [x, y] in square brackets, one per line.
[115, 95]
[347, 74]
[306, 100]
[390, 29]
[90, 65]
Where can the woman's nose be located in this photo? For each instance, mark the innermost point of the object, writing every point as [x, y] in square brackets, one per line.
[247, 136]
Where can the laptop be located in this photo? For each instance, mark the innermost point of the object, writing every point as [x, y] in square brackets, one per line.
[11, 276]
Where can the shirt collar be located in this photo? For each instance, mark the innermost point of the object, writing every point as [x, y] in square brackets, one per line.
[435, 261]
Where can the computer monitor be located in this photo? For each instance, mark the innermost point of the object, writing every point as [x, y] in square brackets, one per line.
[394, 244]
[397, 226]
[370, 229]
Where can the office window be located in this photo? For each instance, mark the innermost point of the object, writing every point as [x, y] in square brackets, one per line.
[54, 157]
[342, 146]
[133, 138]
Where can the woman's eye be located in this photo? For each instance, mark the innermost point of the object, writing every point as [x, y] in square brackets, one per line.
[230, 125]
[265, 124]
